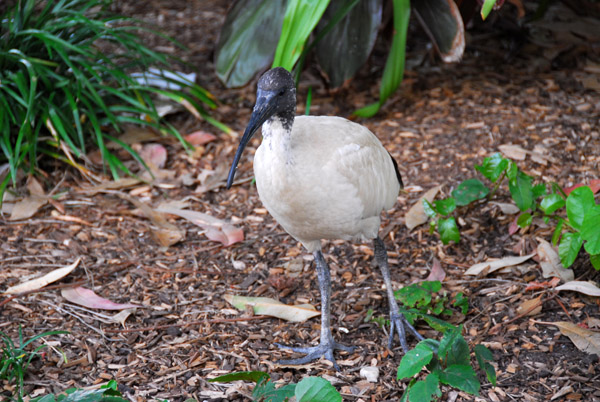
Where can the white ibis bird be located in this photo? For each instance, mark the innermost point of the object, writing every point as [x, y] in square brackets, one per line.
[321, 178]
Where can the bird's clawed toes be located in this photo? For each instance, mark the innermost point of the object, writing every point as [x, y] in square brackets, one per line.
[312, 353]
[399, 323]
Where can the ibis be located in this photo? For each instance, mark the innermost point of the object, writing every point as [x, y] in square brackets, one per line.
[322, 178]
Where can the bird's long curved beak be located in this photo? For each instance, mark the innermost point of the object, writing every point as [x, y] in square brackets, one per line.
[264, 108]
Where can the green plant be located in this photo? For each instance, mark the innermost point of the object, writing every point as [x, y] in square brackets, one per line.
[66, 83]
[106, 393]
[448, 362]
[578, 229]
[15, 359]
[309, 389]
[258, 31]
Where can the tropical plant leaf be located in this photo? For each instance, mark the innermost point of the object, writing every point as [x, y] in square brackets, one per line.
[347, 46]
[248, 40]
[443, 23]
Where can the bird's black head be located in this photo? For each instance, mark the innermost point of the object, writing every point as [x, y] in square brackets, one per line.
[275, 98]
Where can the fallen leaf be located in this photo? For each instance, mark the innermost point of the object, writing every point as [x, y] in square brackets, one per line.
[437, 273]
[567, 389]
[513, 151]
[595, 185]
[550, 263]
[494, 265]
[125, 182]
[587, 288]
[416, 214]
[506, 208]
[593, 322]
[42, 281]
[584, 339]
[29, 205]
[513, 227]
[155, 156]
[542, 285]
[87, 298]
[568, 190]
[135, 134]
[199, 138]
[273, 308]
[216, 229]
[122, 316]
[531, 306]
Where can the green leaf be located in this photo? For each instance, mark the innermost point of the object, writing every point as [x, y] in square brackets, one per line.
[569, 247]
[462, 377]
[595, 260]
[521, 191]
[483, 356]
[301, 16]
[469, 191]
[413, 294]
[524, 219]
[449, 338]
[461, 301]
[444, 26]
[423, 391]
[248, 40]
[487, 7]
[347, 46]
[493, 167]
[458, 353]
[394, 65]
[590, 230]
[254, 376]
[551, 203]
[539, 190]
[448, 230]
[429, 208]
[557, 231]
[445, 206]
[579, 201]
[316, 389]
[414, 360]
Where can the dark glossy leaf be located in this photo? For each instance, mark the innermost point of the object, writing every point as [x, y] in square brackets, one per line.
[579, 202]
[492, 167]
[524, 219]
[443, 23]
[425, 390]
[301, 17]
[521, 191]
[248, 40]
[462, 377]
[414, 360]
[569, 247]
[347, 46]
[469, 191]
[551, 203]
[316, 389]
[483, 356]
[449, 338]
[590, 230]
[459, 352]
[254, 376]
[445, 206]
[448, 230]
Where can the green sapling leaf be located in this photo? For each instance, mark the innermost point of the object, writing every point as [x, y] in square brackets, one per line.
[524, 220]
[492, 167]
[557, 231]
[590, 230]
[469, 191]
[462, 377]
[595, 260]
[316, 389]
[425, 390]
[521, 191]
[578, 202]
[414, 360]
[429, 209]
[448, 230]
[569, 247]
[446, 206]
[551, 203]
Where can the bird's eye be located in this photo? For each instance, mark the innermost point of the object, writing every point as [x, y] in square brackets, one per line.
[281, 92]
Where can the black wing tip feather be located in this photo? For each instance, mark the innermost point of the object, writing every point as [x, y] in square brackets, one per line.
[398, 176]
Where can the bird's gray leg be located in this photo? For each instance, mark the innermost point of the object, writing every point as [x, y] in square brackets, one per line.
[327, 345]
[397, 320]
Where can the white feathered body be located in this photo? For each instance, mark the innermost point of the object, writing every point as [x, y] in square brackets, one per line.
[327, 178]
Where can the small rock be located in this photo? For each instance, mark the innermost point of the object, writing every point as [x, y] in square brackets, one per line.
[370, 373]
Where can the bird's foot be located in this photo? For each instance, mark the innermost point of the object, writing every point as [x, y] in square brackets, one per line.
[399, 323]
[325, 348]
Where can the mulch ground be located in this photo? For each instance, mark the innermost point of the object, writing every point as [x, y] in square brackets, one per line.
[442, 121]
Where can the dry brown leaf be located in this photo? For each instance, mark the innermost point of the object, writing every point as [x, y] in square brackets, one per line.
[416, 214]
[42, 281]
[164, 232]
[507, 209]
[585, 340]
[125, 182]
[494, 265]
[550, 263]
[513, 151]
[87, 298]
[587, 288]
[29, 205]
[437, 273]
[531, 306]
[273, 308]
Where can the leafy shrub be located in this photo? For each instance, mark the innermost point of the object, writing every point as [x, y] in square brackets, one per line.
[577, 230]
[60, 92]
[106, 393]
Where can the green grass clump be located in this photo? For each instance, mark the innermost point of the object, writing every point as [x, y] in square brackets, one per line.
[66, 84]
